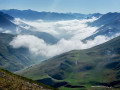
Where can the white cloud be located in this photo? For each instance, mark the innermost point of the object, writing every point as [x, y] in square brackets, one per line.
[65, 29]
[1, 29]
[76, 30]
[7, 31]
[17, 21]
[39, 47]
[35, 45]
[21, 23]
[18, 30]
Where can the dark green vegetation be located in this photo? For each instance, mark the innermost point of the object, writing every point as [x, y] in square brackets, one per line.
[97, 66]
[9, 81]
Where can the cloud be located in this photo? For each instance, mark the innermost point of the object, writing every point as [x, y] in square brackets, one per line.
[64, 29]
[37, 46]
[7, 31]
[21, 23]
[1, 29]
[74, 30]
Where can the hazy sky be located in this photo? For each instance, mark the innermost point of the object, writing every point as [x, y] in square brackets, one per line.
[80, 6]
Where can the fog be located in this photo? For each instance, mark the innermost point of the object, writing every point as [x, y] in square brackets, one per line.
[38, 46]
[61, 29]
[70, 32]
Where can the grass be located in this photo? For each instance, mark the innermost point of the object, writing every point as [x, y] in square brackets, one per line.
[73, 66]
[11, 81]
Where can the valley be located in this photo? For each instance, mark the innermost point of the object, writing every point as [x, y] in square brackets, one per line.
[66, 51]
[96, 66]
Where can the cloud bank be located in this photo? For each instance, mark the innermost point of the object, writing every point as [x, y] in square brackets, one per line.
[62, 29]
[37, 46]
[71, 33]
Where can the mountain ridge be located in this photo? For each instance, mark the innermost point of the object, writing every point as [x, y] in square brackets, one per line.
[108, 26]
[52, 16]
[78, 67]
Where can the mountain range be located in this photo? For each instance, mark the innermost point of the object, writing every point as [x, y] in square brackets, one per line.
[107, 18]
[14, 59]
[109, 26]
[99, 66]
[5, 22]
[94, 68]
[108, 23]
[48, 16]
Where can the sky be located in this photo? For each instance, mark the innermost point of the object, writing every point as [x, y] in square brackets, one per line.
[75, 6]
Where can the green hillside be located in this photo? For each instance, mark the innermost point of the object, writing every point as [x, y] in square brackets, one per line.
[98, 66]
[10, 58]
[9, 81]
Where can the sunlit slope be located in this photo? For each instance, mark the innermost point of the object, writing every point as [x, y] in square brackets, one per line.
[96, 66]
[9, 81]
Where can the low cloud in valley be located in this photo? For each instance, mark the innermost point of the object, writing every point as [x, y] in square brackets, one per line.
[70, 32]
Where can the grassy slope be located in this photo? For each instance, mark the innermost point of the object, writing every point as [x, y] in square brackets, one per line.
[95, 66]
[10, 58]
[14, 59]
[5, 56]
[9, 81]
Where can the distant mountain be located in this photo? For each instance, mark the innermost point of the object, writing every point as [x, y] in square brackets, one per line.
[109, 30]
[14, 59]
[28, 15]
[5, 22]
[109, 25]
[10, 81]
[6, 16]
[106, 19]
[95, 15]
[97, 66]
[86, 16]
